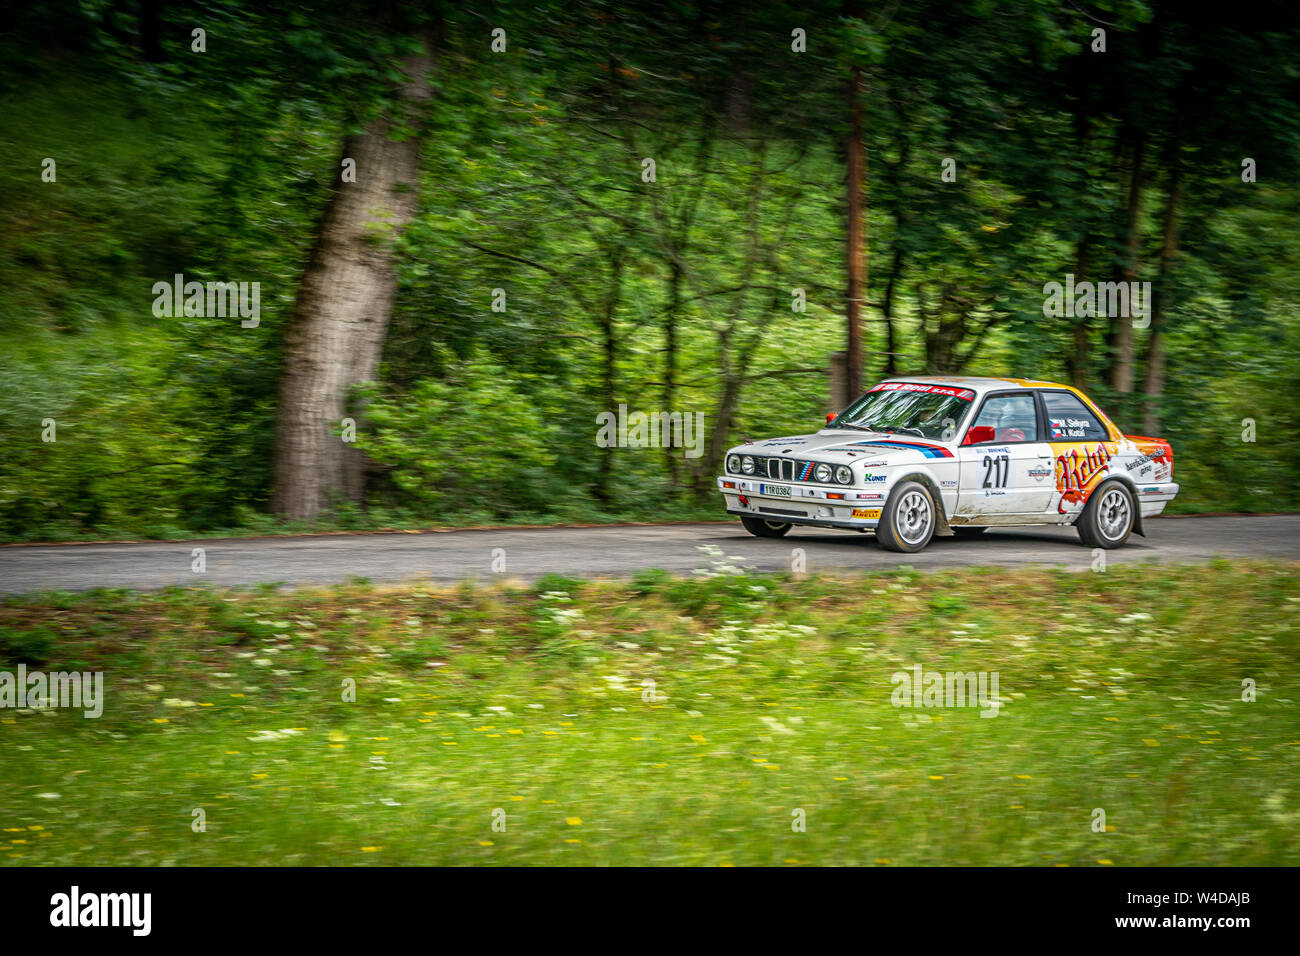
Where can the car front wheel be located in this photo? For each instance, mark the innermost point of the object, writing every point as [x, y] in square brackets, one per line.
[764, 528]
[1108, 516]
[908, 519]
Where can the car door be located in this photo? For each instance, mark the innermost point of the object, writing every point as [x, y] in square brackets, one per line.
[1082, 449]
[1005, 466]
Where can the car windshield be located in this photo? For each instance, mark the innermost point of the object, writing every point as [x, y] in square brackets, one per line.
[909, 408]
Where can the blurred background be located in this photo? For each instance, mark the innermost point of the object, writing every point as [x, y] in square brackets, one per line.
[558, 208]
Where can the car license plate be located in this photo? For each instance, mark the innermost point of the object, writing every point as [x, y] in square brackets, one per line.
[776, 491]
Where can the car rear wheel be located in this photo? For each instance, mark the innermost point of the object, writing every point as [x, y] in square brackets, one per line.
[908, 518]
[1107, 518]
[764, 528]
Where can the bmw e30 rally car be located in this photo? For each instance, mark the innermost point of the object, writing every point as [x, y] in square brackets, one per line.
[929, 455]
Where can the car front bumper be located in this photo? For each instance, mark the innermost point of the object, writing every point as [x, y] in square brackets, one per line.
[828, 506]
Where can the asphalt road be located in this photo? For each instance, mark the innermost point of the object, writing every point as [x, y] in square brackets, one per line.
[528, 553]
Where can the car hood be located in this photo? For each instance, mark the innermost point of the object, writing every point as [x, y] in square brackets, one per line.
[836, 445]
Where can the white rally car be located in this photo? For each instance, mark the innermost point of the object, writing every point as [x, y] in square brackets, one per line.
[930, 455]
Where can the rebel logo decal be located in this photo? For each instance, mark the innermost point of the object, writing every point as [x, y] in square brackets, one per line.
[1078, 471]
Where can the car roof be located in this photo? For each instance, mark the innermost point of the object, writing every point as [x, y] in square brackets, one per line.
[976, 382]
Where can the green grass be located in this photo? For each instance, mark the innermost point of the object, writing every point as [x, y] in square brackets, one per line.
[1122, 691]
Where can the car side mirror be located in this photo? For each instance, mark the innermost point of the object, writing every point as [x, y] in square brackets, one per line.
[978, 434]
[830, 417]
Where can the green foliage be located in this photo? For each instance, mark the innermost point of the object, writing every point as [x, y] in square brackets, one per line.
[468, 442]
[31, 646]
[673, 295]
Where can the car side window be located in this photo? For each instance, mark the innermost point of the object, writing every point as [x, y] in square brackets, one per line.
[1068, 419]
[1013, 418]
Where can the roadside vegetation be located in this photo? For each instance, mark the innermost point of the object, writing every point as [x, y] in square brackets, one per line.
[770, 701]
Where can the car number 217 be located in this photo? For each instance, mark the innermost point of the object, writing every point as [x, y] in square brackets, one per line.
[996, 471]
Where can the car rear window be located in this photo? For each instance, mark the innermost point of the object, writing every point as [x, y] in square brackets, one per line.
[1068, 419]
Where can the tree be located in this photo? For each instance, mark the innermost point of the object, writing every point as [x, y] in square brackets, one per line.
[336, 332]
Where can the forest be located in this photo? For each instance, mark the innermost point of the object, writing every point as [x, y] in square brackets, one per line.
[286, 266]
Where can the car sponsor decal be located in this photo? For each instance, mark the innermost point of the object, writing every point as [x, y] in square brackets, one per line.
[1159, 454]
[963, 393]
[1079, 469]
[866, 512]
[930, 451]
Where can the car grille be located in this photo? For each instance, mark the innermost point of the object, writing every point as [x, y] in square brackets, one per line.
[778, 469]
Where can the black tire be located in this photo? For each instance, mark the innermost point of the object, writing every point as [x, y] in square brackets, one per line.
[764, 528]
[969, 531]
[908, 520]
[1108, 517]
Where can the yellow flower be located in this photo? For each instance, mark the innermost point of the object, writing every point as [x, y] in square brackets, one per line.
[371, 849]
[573, 821]
[1105, 862]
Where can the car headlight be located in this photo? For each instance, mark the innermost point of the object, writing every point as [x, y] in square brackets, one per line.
[822, 473]
[747, 465]
[733, 464]
[844, 475]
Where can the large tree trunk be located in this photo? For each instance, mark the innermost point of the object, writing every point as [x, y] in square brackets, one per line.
[1154, 385]
[857, 237]
[1121, 369]
[336, 332]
